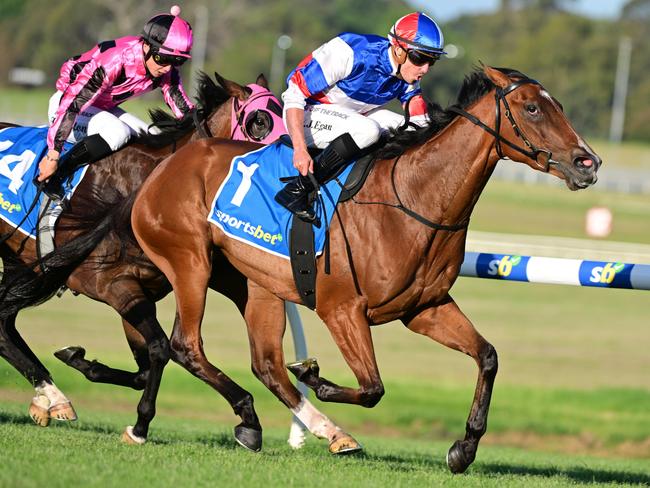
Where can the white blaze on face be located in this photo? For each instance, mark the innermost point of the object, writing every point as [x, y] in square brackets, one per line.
[317, 423]
[581, 141]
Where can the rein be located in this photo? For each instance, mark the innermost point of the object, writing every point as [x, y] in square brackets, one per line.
[201, 126]
[533, 152]
[411, 213]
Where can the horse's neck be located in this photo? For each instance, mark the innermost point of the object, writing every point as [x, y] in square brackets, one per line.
[443, 179]
[141, 160]
[219, 122]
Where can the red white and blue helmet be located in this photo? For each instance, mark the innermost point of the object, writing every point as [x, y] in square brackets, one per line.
[419, 32]
[169, 33]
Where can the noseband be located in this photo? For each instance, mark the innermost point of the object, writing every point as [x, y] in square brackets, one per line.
[545, 161]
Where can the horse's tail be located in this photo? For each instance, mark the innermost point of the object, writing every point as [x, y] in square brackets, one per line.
[34, 283]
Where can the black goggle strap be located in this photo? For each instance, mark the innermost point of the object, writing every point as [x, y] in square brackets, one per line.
[416, 45]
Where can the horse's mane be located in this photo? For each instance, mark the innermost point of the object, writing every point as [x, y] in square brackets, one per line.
[209, 97]
[475, 85]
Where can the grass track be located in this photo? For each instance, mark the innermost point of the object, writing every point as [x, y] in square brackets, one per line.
[573, 380]
[88, 455]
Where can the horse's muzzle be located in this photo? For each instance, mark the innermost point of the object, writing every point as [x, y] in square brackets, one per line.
[585, 167]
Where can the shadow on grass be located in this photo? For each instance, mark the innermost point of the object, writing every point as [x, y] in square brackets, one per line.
[405, 463]
[219, 440]
[575, 474]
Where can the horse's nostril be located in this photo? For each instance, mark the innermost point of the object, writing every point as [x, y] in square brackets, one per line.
[585, 163]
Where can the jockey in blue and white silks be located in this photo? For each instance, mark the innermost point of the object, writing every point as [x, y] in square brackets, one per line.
[335, 97]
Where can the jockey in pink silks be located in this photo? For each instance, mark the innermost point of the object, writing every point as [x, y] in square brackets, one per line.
[335, 99]
[85, 108]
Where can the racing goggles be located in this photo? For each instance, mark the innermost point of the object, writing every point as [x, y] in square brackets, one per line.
[162, 59]
[420, 58]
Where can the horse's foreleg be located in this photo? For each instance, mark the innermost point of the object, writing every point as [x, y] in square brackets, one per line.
[74, 356]
[49, 401]
[265, 319]
[190, 285]
[447, 325]
[181, 249]
[349, 328]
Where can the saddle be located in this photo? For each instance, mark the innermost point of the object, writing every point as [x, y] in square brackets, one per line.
[301, 236]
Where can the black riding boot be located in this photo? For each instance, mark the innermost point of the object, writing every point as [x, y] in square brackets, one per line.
[88, 150]
[327, 165]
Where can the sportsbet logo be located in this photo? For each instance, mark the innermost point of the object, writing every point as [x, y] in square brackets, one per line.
[607, 273]
[503, 267]
[9, 207]
[248, 228]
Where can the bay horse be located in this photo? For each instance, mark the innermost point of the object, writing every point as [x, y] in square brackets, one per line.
[132, 286]
[421, 190]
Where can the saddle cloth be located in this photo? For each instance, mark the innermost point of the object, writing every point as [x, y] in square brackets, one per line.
[21, 149]
[244, 207]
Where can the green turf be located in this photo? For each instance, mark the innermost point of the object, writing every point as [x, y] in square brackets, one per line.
[573, 381]
[201, 454]
[556, 211]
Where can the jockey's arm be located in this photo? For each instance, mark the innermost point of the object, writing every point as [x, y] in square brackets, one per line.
[174, 94]
[417, 109]
[301, 159]
[80, 94]
[319, 71]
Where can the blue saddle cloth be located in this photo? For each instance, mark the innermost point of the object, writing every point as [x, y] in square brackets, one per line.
[244, 207]
[21, 149]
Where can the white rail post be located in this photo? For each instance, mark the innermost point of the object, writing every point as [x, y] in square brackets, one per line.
[297, 431]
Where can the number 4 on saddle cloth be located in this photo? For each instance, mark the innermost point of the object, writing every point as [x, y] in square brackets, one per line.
[21, 149]
[244, 207]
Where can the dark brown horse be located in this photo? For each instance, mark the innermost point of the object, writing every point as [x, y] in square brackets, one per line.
[421, 191]
[130, 286]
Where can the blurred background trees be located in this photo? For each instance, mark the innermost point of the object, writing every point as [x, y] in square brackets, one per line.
[573, 56]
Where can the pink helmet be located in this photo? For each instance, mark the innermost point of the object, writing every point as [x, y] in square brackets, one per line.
[169, 33]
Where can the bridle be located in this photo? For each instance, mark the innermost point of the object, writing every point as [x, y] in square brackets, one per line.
[545, 161]
[532, 152]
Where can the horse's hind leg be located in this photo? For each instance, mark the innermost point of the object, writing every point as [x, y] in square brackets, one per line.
[49, 401]
[265, 319]
[142, 315]
[447, 325]
[74, 356]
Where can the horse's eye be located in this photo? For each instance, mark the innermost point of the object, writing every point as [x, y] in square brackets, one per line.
[532, 109]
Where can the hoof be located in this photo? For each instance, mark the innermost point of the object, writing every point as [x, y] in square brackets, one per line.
[344, 444]
[248, 438]
[457, 459]
[302, 369]
[70, 353]
[38, 413]
[63, 411]
[128, 437]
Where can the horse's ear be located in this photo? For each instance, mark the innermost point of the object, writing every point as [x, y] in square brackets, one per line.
[233, 89]
[261, 81]
[497, 77]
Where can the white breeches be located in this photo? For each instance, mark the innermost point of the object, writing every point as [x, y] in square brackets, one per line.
[324, 123]
[115, 126]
